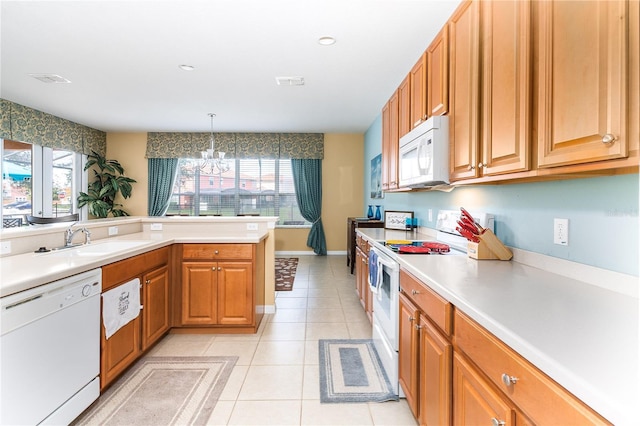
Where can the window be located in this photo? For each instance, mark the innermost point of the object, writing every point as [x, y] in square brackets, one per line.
[38, 181]
[245, 187]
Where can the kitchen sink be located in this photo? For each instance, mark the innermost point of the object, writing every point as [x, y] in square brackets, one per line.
[96, 249]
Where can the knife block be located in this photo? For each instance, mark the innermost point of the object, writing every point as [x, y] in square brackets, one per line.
[489, 247]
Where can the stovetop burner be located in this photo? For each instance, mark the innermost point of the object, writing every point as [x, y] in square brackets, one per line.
[417, 247]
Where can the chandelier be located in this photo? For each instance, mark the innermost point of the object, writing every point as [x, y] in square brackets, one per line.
[210, 163]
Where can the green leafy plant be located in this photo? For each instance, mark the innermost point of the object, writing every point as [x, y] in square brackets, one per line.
[109, 180]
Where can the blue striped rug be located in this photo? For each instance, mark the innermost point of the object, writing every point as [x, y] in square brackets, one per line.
[350, 371]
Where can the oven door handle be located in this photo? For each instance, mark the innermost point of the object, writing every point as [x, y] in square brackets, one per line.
[386, 261]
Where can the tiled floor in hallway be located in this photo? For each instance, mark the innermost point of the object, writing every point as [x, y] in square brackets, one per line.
[276, 379]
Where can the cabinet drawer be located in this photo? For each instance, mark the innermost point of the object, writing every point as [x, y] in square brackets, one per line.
[436, 308]
[217, 251]
[119, 272]
[533, 392]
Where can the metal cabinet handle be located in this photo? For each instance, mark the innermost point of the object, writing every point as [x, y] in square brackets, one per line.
[147, 282]
[470, 167]
[608, 139]
[496, 422]
[411, 319]
[216, 252]
[219, 268]
[414, 292]
[418, 327]
[480, 165]
[508, 380]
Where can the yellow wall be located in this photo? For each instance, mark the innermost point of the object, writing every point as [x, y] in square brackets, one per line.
[342, 185]
[342, 193]
[129, 149]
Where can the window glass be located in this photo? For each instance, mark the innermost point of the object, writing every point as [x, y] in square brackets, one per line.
[261, 187]
[16, 183]
[62, 199]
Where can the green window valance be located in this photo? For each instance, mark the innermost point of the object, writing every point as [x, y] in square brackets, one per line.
[24, 124]
[236, 145]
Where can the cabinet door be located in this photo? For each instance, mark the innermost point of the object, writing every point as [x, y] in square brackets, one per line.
[392, 148]
[119, 351]
[386, 140]
[464, 91]
[155, 302]
[359, 276]
[404, 108]
[506, 78]
[438, 74]
[418, 83]
[435, 376]
[474, 400]
[199, 293]
[582, 81]
[235, 293]
[408, 351]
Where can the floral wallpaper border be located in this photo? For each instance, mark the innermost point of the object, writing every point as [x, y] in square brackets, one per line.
[24, 124]
[237, 145]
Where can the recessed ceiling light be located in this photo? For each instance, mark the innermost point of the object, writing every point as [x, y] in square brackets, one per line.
[326, 40]
[186, 67]
[50, 78]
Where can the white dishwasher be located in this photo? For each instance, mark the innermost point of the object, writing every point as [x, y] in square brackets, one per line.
[50, 351]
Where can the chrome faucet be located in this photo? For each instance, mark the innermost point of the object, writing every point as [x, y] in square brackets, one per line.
[69, 233]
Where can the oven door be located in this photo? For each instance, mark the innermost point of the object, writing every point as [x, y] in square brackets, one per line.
[385, 302]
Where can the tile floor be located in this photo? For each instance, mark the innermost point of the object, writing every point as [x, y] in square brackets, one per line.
[275, 381]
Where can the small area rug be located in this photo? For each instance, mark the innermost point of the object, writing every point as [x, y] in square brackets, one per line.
[163, 391]
[285, 272]
[350, 371]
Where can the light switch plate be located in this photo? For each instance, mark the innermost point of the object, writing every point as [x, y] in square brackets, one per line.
[113, 230]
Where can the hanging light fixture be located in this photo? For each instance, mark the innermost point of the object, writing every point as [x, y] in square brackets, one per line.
[215, 164]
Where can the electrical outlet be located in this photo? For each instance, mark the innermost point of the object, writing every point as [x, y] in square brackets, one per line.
[561, 232]
[156, 227]
[5, 247]
[113, 230]
[430, 214]
[252, 226]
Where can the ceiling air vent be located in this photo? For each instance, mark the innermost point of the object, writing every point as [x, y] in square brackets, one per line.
[290, 81]
[50, 78]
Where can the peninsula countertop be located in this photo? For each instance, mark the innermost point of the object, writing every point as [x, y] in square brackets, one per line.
[28, 270]
[583, 336]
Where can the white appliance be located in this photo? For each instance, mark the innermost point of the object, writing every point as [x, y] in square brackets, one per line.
[386, 300]
[424, 154]
[50, 351]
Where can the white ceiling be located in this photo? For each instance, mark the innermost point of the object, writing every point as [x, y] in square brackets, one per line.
[122, 59]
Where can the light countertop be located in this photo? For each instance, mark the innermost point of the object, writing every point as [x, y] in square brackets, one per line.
[583, 336]
[28, 270]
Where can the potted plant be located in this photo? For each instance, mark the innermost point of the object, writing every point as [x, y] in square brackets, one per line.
[109, 180]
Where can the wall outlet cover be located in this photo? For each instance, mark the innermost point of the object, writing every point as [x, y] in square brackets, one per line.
[113, 230]
[252, 226]
[156, 227]
[5, 247]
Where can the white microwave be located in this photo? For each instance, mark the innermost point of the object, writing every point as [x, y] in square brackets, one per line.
[424, 154]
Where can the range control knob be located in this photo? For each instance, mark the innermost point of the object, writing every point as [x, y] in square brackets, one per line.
[86, 290]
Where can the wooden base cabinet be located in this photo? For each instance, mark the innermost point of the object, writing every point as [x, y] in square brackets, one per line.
[362, 276]
[425, 352]
[219, 285]
[133, 339]
[476, 403]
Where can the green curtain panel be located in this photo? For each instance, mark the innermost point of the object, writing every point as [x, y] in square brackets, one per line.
[162, 176]
[237, 145]
[307, 181]
[24, 124]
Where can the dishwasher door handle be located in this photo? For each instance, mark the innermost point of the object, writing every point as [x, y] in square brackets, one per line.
[22, 302]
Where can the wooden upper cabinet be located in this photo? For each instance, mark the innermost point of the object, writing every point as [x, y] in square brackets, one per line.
[464, 28]
[506, 87]
[418, 83]
[437, 90]
[582, 81]
[404, 108]
[390, 139]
